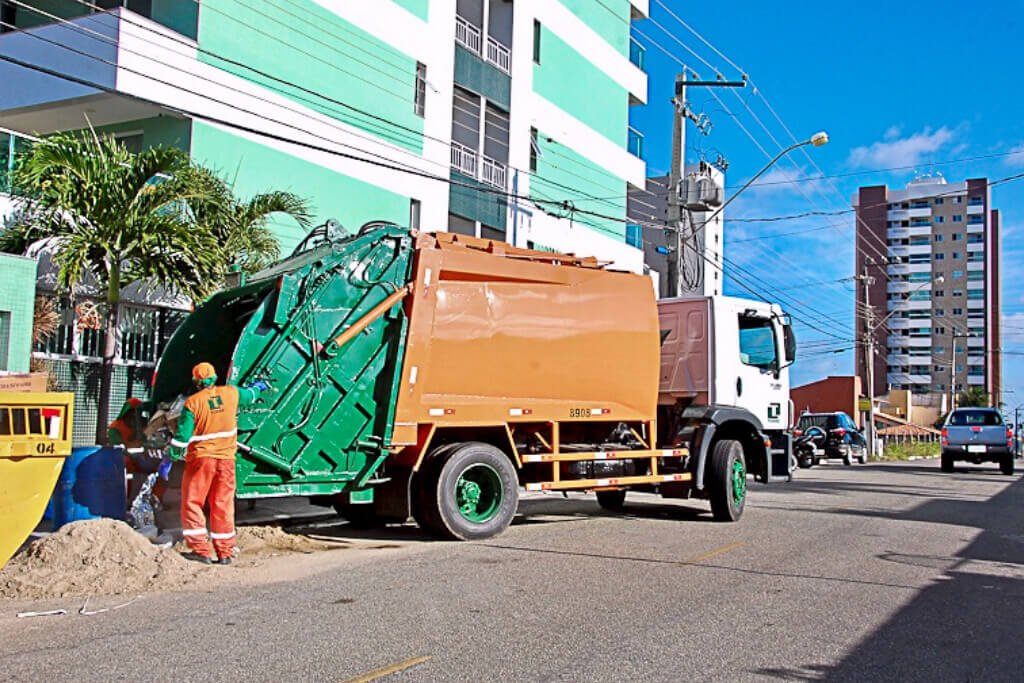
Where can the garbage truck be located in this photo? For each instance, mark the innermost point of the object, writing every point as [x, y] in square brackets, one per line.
[435, 375]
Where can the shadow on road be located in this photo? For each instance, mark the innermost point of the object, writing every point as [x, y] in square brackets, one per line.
[963, 627]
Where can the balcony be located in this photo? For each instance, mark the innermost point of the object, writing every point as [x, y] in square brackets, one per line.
[898, 215]
[975, 209]
[490, 50]
[469, 162]
[920, 212]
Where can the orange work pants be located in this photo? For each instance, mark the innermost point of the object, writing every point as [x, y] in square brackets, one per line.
[213, 480]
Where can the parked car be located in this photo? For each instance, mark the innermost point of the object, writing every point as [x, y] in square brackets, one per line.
[842, 438]
[977, 435]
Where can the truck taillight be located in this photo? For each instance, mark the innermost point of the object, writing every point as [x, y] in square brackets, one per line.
[798, 432]
[1009, 437]
[945, 436]
[840, 432]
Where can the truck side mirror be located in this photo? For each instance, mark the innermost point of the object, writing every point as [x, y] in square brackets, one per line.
[789, 342]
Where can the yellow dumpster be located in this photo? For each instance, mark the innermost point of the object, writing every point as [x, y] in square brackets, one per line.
[35, 438]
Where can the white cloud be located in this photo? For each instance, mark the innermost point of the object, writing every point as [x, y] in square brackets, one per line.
[895, 151]
[892, 133]
[1015, 158]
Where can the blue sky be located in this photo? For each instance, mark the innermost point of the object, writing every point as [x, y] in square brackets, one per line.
[895, 84]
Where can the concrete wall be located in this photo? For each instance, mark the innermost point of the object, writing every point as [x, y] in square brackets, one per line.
[17, 301]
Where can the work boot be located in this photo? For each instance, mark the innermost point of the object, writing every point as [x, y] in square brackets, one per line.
[224, 561]
[196, 557]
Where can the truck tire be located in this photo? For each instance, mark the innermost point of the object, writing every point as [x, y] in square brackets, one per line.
[847, 456]
[474, 495]
[806, 461]
[728, 480]
[1006, 463]
[613, 501]
[946, 462]
[423, 488]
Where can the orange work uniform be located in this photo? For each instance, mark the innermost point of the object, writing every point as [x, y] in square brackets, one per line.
[208, 432]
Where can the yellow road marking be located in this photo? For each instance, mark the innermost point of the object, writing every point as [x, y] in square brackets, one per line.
[388, 670]
[716, 552]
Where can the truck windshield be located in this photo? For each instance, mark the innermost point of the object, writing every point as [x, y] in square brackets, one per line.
[757, 342]
[982, 418]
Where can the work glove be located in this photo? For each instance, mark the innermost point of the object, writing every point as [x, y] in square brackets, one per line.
[258, 385]
[165, 468]
[176, 452]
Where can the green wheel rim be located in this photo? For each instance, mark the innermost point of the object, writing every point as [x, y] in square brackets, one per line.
[478, 493]
[739, 481]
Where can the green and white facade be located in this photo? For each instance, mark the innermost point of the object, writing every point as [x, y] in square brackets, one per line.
[529, 98]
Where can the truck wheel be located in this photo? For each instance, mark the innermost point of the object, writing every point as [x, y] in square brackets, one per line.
[848, 456]
[612, 501]
[728, 485]
[424, 486]
[806, 461]
[475, 493]
[946, 462]
[1006, 464]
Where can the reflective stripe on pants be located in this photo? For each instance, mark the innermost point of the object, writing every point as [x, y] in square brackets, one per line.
[213, 480]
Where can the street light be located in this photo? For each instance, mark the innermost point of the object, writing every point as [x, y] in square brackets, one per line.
[819, 139]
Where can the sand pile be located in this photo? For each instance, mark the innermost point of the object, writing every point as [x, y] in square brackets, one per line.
[95, 557]
[264, 540]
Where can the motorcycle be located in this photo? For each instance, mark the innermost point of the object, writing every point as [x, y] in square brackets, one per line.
[809, 447]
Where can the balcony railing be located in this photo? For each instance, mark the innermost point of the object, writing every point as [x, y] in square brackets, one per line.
[471, 37]
[468, 161]
[499, 55]
[635, 143]
[637, 53]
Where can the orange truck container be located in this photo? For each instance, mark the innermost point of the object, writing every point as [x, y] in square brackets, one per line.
[436, 374]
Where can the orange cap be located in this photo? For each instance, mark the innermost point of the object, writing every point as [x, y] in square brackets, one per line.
[203, 371]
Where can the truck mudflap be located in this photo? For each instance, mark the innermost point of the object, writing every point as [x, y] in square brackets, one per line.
[703, 425]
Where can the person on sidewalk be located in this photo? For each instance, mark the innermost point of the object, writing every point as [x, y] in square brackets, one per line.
[207, 438]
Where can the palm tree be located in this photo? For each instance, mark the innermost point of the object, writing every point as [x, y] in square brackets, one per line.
[241, 226]
[114, 218]
[973, 397]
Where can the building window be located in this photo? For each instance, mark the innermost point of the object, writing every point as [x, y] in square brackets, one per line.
[536, 41]
[939, 256]
[420, 96]
[976, 201]
[957, 236]
[939, 238]
[939, 292]
[957, 292]
[976, 294]
[489, 233]
[940, 219]
[959, 199]
[414, 213]
[634, 235]
[534, 150]
[958, 218]
[940, 330]
[939, 312]
[461, 226]
[955, 255]
[958, 273]
[939, 200]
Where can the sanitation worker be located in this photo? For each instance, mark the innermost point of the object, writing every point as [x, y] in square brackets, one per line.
[126, 431]
[207, 437]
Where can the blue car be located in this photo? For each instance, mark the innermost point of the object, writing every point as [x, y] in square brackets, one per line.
[842, 439]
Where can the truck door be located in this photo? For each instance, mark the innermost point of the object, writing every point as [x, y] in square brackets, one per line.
[757, 384]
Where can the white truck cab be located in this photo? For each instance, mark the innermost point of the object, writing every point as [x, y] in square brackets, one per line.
[725, 362]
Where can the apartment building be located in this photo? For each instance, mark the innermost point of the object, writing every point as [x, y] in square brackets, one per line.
[369, 109]
[502, 119]
[935, 293]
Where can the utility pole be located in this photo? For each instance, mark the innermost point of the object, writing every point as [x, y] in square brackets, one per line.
[679, 219]
[869, 353]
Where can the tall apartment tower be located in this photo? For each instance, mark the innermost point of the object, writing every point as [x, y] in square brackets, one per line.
[932, 249]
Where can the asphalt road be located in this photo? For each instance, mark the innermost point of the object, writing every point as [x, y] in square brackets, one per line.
[876, 572]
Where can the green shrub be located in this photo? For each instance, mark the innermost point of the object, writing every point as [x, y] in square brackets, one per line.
[909, 449]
